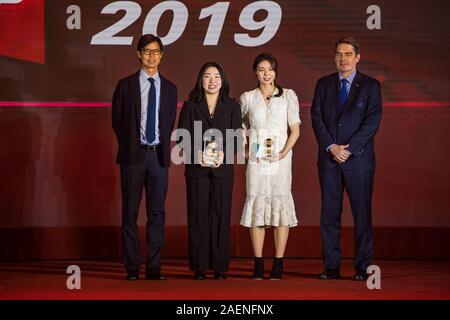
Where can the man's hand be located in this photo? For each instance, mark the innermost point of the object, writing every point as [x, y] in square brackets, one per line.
[340, 153]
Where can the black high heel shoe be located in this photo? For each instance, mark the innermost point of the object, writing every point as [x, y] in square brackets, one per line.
[258, 271]
[277, 269]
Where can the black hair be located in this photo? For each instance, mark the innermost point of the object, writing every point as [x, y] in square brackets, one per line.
[197, 93]
[348, 40]
[265, 56]
[149, 38]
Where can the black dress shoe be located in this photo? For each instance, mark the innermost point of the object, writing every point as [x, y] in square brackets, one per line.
[218, 275]
[360, 275]
[154, 274]
[329, 274]
[132, 277]
[199, 275]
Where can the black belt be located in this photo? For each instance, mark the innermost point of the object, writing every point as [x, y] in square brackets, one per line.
[148, 148]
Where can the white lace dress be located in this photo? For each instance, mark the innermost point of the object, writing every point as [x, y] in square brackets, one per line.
[269, 199]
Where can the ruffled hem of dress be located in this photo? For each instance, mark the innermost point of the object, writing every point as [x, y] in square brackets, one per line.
[269, 211]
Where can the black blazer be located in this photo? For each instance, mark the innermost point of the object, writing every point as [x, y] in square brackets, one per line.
[356, 126]
[227, 115]
[126, 119]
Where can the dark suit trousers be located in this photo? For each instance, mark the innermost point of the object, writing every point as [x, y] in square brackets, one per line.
[209, 214]
[134, 178]
[359, 186]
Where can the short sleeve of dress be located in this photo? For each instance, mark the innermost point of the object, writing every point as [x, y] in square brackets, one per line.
[293, 110]
[244, 101]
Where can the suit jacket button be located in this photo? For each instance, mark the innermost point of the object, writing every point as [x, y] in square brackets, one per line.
[340, 124]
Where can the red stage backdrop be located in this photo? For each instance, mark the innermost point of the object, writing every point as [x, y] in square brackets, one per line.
[60, 61]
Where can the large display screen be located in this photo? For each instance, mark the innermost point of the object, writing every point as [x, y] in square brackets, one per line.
[77, 50]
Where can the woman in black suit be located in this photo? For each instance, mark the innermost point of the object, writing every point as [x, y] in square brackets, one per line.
[209, 178]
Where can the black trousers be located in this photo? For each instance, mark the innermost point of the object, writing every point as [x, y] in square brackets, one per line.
[209, 213]
[359, 187]
[134, 178]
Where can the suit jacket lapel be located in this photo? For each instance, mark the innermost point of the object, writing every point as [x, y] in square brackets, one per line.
[135, 88]
[354, 91]
[218, 111]
[162, 99]
[203, 106]
[335, 92]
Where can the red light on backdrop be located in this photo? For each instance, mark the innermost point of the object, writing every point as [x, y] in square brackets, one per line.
[22, 30]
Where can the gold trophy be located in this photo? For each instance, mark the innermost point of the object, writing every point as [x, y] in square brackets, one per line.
[268, 147]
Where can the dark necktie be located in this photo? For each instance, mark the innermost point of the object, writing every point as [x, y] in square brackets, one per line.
[343, 95]
[151, 113]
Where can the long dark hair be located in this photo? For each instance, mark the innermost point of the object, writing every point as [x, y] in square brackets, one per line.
[270, 58]
[197, 93]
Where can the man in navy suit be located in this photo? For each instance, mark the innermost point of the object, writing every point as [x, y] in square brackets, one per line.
[143, 116]
[346, 114]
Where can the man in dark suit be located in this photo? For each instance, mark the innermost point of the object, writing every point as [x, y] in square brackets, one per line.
[346, 114]
[143, 116]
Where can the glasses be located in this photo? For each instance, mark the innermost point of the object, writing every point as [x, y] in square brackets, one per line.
[148, 52]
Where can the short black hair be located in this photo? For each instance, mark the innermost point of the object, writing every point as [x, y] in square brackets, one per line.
[348, 40]
[149, 38]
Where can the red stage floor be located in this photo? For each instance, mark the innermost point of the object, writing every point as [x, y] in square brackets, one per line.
[400, 279]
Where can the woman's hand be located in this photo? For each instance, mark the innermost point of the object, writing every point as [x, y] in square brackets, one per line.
[275, 157]
[253, 158]
[218, 162]
[200, 159]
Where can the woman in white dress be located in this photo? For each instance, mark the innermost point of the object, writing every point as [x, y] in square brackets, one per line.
[268, 112]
